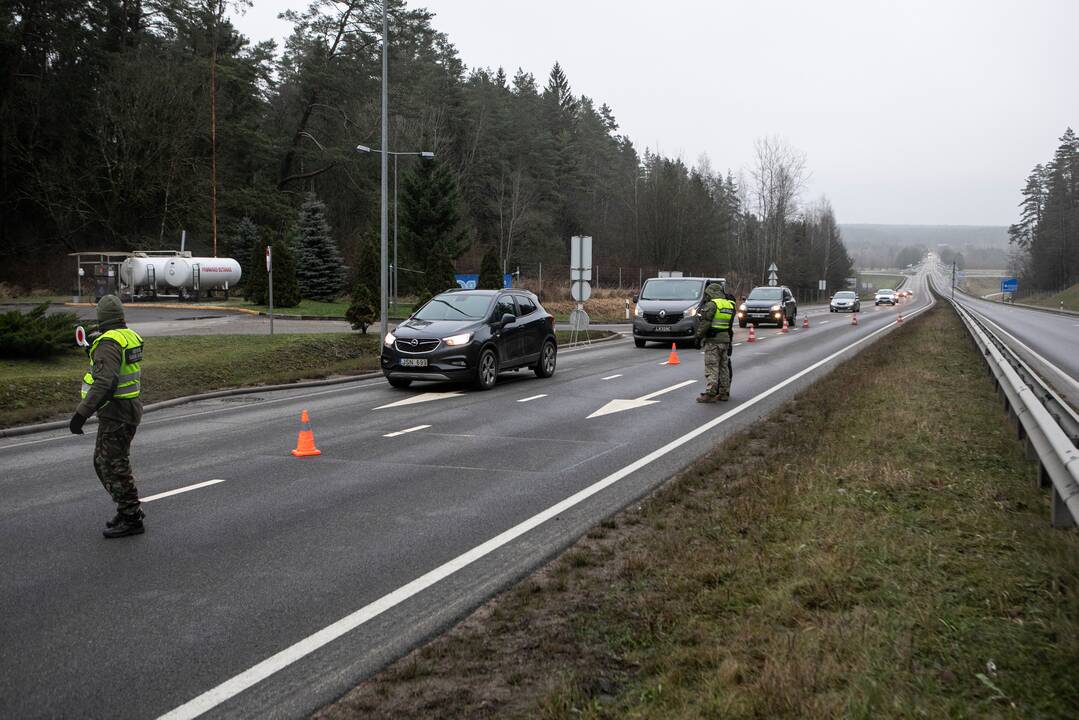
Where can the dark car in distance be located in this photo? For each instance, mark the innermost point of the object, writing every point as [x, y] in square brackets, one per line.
[666, 309]
[768, 304]
[472, 336]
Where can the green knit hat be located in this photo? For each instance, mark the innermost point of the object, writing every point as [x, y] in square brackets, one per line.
[110, 311]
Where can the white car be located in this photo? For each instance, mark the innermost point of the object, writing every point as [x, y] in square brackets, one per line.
[885, 295]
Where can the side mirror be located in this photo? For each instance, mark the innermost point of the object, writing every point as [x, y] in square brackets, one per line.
[636, 298]
[507, 319]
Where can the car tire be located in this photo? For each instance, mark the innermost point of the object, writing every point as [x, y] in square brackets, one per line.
[399, 382]
[638, 343]
[486, 370]
[548, 359]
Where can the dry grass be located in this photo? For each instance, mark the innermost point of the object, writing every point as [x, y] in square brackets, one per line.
[877, 549]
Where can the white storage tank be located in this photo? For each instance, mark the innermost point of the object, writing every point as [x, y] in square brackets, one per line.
[179, 272]
[140, 272]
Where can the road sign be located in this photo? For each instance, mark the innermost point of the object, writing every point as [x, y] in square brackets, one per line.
[822, 285]
[578, 319]
[772, 268]
[1009, 285]
[269, 261]
[852, 282]
[580, 258]
[581, 290]
[773, 280]
[80, 337]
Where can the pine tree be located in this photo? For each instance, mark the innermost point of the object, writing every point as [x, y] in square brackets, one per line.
[321, 272]
[431, 220]
[490, 270]
[240, 245]
[364, 310]
[286, 290]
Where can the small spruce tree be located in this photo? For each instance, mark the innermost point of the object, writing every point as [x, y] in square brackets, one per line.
[243, 239]
[490, 271]
[363, 312]
[286, 289]
[431, 219]
[320, 270]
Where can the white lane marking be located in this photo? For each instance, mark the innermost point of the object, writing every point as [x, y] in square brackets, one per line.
[421, 398]
[530, 399]
[824, 322]
[619, 404]
[1026, 347]
[302, 648]
[612, 377]
[177, 491]
[238, 406]
[407, 430]
[736, 344]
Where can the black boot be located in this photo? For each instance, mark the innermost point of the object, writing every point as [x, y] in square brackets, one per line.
[126, 525]
[116, 520]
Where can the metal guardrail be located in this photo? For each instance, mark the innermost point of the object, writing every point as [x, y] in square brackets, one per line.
[1047, 424]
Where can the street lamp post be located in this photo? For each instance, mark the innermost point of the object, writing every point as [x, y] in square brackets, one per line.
[423, 154]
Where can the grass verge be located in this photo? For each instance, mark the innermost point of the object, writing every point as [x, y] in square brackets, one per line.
[36, 390]
[836, 562]
[981, 286]
[1069, 297]
[876, 282]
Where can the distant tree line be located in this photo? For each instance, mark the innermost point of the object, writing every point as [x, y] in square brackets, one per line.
[1047, 233]
[124, 122]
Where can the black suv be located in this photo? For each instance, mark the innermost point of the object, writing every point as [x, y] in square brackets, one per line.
[768, 304]
[667, 309]
[471, 335]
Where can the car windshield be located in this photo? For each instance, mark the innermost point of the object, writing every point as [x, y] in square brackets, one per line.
[844, 296]
[672, 289]
[455, 306]
[766, 294]
[885, 292]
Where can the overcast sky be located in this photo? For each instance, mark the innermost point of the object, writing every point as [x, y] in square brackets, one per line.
[909, 111]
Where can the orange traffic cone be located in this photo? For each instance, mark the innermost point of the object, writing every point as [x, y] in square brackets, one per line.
[899, 318]
[805, 322]
[752, 333]
[672, 359]
[854, 318]
[786, 326]
[305, 443]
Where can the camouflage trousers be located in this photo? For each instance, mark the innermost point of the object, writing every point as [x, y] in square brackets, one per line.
[112, 462]
[717, 369]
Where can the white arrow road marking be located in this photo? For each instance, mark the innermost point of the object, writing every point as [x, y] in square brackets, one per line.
[425, 397]
[612, 377]
[408, 430]
[534, 397]
[615, 406]
[177, 491]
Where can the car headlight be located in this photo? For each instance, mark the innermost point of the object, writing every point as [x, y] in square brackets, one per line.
[775, 308]
[457, 340]
[637, 311]
[742, 307]
[390, 339]
[691, 311]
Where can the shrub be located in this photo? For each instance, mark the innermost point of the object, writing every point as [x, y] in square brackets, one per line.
[35, 335]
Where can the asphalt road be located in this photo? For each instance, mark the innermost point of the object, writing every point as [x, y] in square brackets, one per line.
[1047, 341]
[274, 590]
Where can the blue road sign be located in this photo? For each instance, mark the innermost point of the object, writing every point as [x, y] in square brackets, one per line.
[1009, 285]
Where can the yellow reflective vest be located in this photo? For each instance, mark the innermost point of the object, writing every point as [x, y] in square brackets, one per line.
[129, 381]
[721, 321]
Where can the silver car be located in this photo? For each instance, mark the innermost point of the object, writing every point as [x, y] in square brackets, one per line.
[885, 295]
[845, 301]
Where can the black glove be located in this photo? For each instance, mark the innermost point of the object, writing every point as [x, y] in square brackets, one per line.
[77, 421]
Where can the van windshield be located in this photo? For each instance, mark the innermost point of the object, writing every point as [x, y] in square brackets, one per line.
[672, 289]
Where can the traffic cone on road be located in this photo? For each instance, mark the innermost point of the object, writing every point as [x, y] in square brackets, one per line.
[752, 334]
[786, 326]
[854, 318]
[805, 322]
[672, 359]
[899, 318]
[305, 442]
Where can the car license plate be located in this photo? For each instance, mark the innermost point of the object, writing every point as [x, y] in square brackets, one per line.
[413, 362]
[663, 328]
[758, 314]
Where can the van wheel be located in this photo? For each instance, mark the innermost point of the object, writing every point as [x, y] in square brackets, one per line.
[487, 370]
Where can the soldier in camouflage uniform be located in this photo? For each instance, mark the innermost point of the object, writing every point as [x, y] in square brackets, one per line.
[112, 390]
[715, 329]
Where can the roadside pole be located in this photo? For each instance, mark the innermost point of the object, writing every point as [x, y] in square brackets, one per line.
[269, 283]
